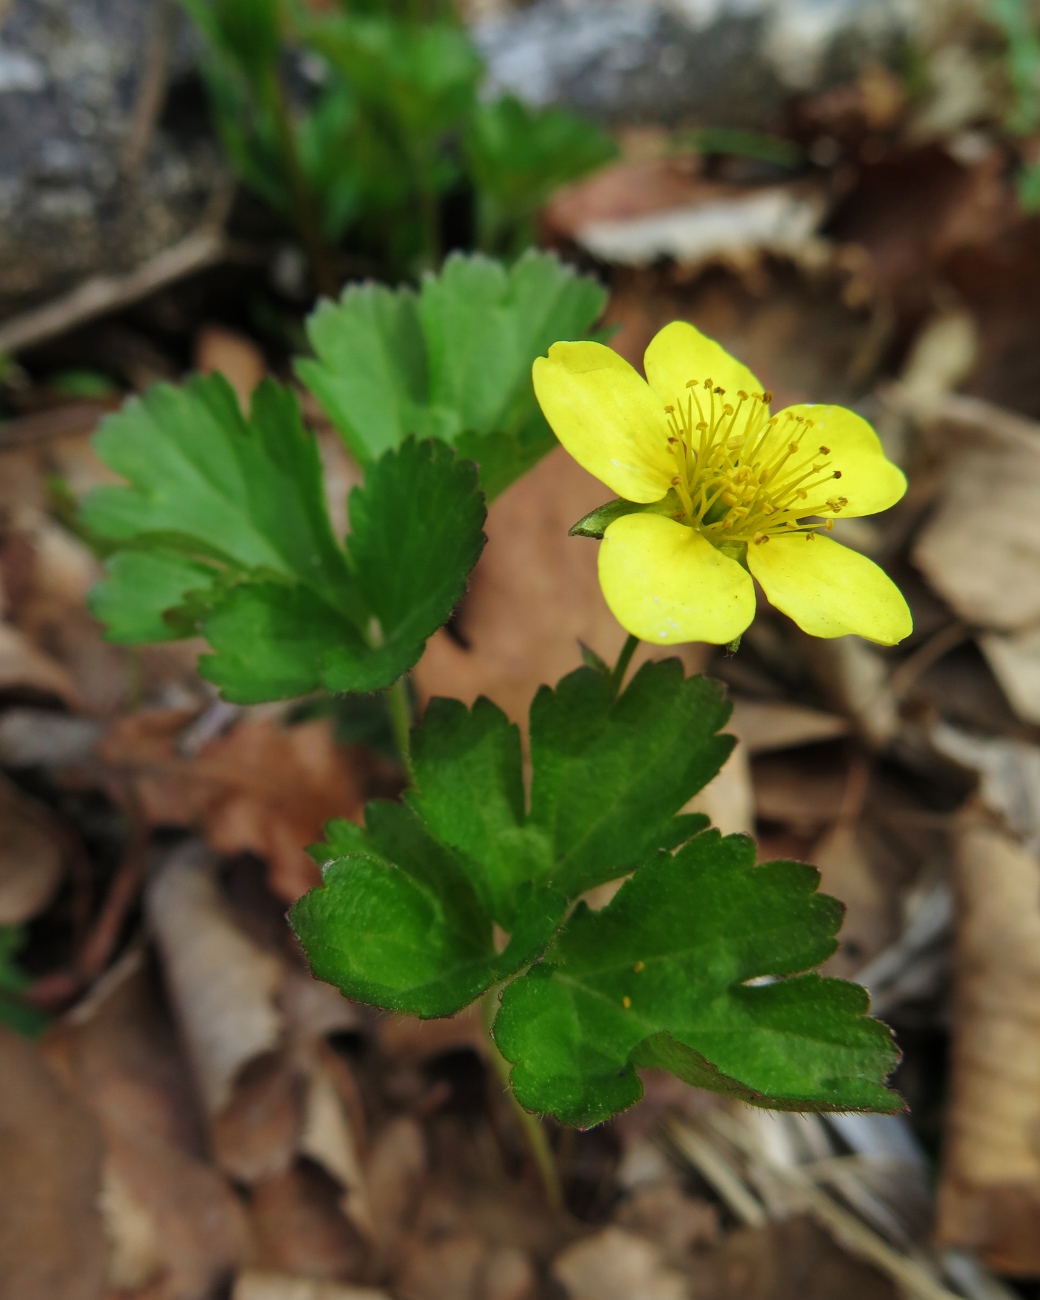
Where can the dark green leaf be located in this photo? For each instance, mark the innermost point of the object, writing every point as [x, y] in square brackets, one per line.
[453, 363]
[660, 978]
[610, 775]
[398, 923]
[467, 853]
[415, 535]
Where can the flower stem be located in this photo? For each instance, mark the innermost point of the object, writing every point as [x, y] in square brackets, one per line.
[536, 1136]
[400, 709]
[623, 660]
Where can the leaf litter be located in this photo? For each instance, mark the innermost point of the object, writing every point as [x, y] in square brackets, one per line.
[201, 1117]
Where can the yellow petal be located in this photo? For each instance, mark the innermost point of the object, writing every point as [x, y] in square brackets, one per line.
[869, 480]
[606, 417]
[829, 590]
[680, 352]
[667, 584]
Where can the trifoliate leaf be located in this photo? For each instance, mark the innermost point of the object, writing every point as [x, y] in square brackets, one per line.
[482, 854]
[660, 977]
[227, 533]
[398, 923]
[452, 362]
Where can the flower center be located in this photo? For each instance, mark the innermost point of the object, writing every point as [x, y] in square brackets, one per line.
[742, 475]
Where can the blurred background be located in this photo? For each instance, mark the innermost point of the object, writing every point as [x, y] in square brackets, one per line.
[845, 194]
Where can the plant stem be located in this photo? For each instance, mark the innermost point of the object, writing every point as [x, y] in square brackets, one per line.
[305, 210]
[623, 660]
[401, 719]
[537, 1139]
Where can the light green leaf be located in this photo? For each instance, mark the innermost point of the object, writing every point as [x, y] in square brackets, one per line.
[660, 978]
[141, 588]
[453, 362]
[227, 533]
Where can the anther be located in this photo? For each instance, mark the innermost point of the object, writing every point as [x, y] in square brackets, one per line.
[837, 473]
[727, 409]
[638, 966]
[626, 1001]
[673, 440]
[708, 383]
[826, 450]
[742, 395]
[760, 538]
[676, 481]
[668, 410]
[702, 426]
[810, 535]
[721, 391]
[692, 383]
[767, 397]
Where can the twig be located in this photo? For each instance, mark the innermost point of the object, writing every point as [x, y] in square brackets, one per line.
[934, 649]
[151, 92]
[105, 293]
[60, 422]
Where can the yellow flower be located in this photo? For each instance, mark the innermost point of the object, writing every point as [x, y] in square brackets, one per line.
[722, 490]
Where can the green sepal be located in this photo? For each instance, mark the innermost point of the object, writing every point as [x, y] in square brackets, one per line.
[660, 977]
[597, 521]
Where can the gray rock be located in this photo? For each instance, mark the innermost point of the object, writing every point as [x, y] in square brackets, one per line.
[73, 201]
[708, 62]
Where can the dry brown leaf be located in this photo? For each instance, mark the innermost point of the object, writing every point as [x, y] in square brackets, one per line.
[397, 1168]
[257, 1284]
[675, 1222]
[331, 1138]
[855, 679]
[989, 1197]
[52, 1244]
[797, 792]
[264, 788]
[171, 1221]
[985, 562]
[534, 596]
[299, 1228]
[223, 985]
[729, 798]
[1014, 659]
[616, 1265]
[26, 670]
[792, 1259]
[871, 923]
[409, 1039]
[767, 725]
[30, 856]
[237, 358]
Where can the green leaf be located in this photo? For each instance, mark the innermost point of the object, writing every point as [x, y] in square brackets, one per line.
[208, 483]
[20, 1015]
[483, 854]
[610, 775]
[518, 156]
[398, 923]
[453, 362]
[660, 978]
[141, 589]
[226, 532]
[416, 532]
